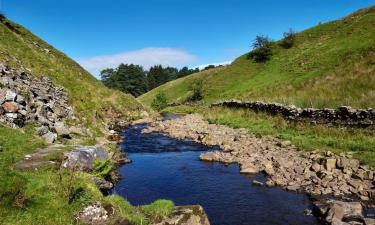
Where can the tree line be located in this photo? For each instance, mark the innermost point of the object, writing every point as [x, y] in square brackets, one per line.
[134, 80]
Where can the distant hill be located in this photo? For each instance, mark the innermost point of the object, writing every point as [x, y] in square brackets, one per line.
[329, 65]
[93, 103]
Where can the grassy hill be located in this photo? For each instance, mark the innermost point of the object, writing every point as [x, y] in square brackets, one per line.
[91, 100]
[329, 65]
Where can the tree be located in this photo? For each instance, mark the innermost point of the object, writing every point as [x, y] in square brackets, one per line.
[288, 40]
[262, 49]
[159, 102]
[128, 78]
[155, 77]
[209, 67]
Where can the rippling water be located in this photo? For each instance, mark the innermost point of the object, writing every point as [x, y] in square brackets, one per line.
[168, 168]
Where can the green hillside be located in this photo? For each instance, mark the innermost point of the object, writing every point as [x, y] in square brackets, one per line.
[91, 100]
[329, 65]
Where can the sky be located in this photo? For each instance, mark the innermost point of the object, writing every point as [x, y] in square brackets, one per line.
[102, 34]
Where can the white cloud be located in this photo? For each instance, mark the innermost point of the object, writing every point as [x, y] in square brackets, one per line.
[215, 64]
[145, 57]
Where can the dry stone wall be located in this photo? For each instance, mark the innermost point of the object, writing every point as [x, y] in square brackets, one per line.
[343, 115]
[26, 99]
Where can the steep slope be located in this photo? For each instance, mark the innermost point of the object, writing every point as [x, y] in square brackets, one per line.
[329, 65]
[92, 102]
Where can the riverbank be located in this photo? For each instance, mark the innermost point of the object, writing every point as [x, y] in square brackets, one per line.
[313, 173]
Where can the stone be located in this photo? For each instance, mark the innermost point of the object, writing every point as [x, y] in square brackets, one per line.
[10, 107]
[369, 221]
[62, 129]
[330, 164]
[10, 96]
[11, 115]
[20, 99]
[49, 137]
[257, 183]
[186, 215]
[344, 162]
[42, 130]
[102, 184]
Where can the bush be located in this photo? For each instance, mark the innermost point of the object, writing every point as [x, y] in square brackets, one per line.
[159, 102]
[262, 49]
[288, 40]
[196, 91]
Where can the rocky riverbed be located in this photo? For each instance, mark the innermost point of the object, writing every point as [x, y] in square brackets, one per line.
[319, 174]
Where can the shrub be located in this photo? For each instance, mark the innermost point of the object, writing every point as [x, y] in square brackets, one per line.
[288, 40]
[196, 91]
[159, 102]
[262, 49]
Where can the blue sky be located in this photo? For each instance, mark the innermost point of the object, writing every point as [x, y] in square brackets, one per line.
[102, 34]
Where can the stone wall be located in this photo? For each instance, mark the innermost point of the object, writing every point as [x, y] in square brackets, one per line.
[26, 99]
[343, 115]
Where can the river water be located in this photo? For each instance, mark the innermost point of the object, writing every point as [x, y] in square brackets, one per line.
[167, 168]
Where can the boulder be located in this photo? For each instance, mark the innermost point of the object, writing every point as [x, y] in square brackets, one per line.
[186, 215]
[10, 107]
[82, 158]
[330, 164]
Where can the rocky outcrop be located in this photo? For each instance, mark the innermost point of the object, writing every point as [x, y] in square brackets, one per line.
[316, 173]
[343, 115]
[187, 215]
[26, 99]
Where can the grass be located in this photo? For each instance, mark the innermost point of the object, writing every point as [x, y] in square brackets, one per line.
[43, 197]
[331, 64]
[304, 135]
[93, 103]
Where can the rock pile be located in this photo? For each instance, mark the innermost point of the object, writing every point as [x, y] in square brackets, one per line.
[311, 172]
[24, 99]
[343, 115]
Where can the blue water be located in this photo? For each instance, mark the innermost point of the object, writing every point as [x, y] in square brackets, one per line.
[167, 168]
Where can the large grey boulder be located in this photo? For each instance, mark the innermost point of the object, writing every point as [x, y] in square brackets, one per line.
[82, 158]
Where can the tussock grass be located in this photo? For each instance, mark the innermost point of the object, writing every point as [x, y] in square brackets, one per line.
[329, 65]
